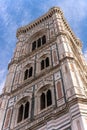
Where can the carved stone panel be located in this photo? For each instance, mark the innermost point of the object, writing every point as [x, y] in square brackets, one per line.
[54, 55]
[8, 118]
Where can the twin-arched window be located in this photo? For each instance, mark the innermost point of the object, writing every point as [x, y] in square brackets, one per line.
[45, 99]
[44, 63]
[23, 112]
[28, 73]
[41, 41]
[24, 107]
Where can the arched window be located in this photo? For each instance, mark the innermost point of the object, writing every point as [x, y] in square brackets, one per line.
[30, 71]
[26, 112]
[20, 113]
[42, 101]
[26, 74]
[23, 111]
[43, 39]
[42, 65]
[47, 62]
[34, 45]
[45, 99]
[39, 42]
[49, 98]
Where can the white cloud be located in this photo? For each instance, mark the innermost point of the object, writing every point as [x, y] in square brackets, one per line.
[26, 18]
[10, 13]
[75, 11]
[3, 12]
[2, 72]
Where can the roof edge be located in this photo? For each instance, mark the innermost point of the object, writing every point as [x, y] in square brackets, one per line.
[26, 28]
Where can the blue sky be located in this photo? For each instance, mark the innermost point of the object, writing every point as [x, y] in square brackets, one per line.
[17, 13]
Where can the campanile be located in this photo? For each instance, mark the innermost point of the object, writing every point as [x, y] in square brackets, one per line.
[46, 84]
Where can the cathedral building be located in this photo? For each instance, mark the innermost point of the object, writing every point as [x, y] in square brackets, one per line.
[46, 84]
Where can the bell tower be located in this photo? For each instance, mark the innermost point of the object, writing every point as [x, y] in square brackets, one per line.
[46, 84]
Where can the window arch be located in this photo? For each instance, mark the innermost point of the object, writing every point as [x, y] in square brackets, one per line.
[42, 65]
[47, 62]
[49, 98]
[20, 113]
[34, 45]
[43, 39]
[38, 42]
[30, 71]
[23, 111]
[45, 99]
[26, 74]
[26, 112]
[42, 101]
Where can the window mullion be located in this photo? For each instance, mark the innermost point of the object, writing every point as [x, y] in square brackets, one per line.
[28, 72]
[23, 111]
[41, 41]
[45, 99]
[45, 63]
[36, 44]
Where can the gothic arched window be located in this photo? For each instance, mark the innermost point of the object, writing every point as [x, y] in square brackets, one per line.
[39, 42]
[49, 98]
[42, 65]
[20, 113]
[34, 45]
[45, 99]
[42, 101]
[30, 71]
[23, 111]
[26, 74]
[47, 62]
[43, 39]
[26, 112]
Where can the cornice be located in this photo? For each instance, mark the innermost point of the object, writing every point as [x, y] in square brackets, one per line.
[4, 94]
[23, 30]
